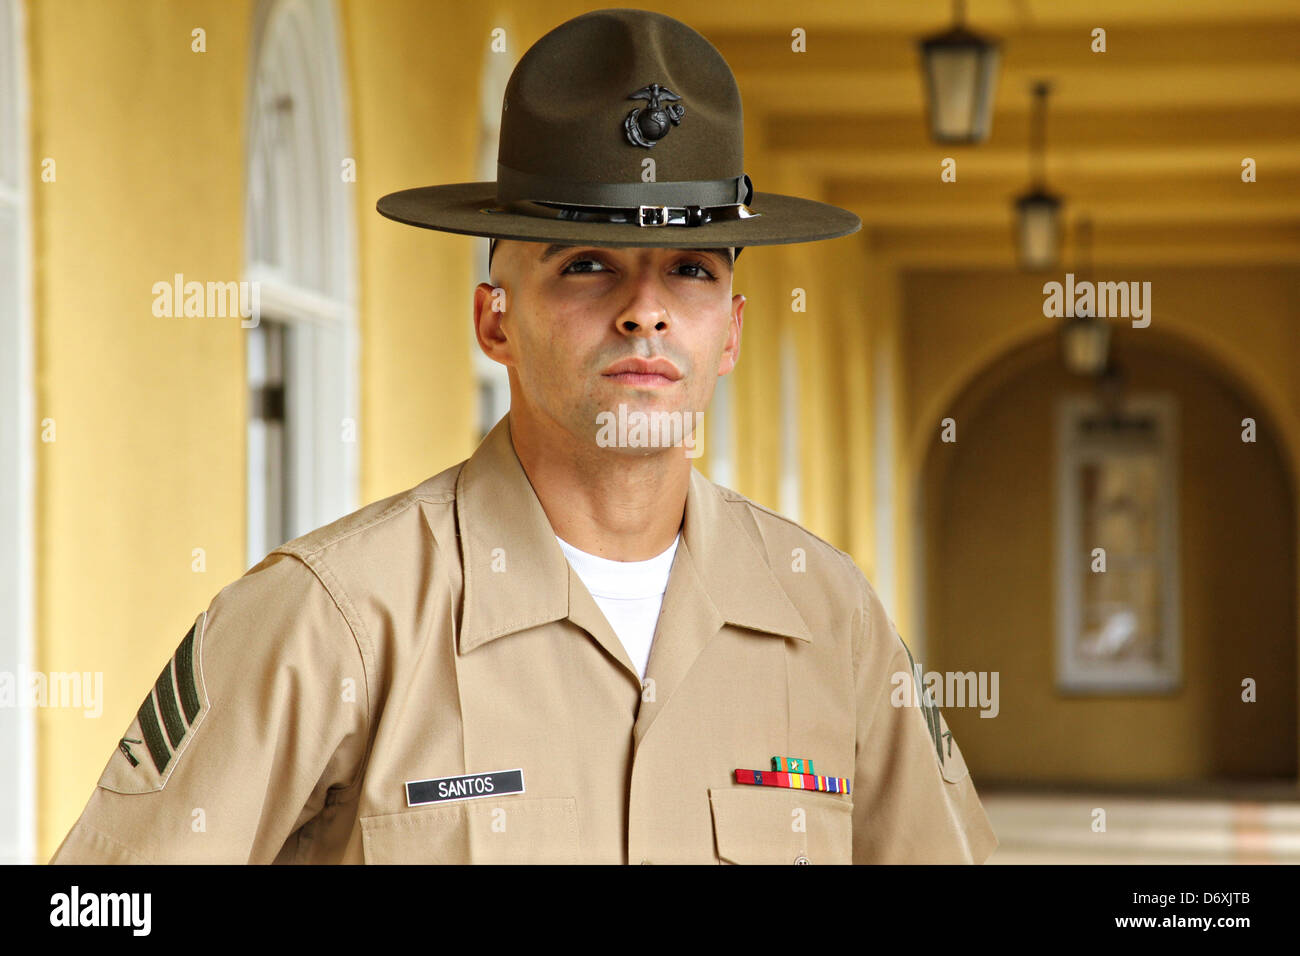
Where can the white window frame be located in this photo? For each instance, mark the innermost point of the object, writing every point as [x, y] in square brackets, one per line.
[17, 437]
[313, 285]
[1072, 675]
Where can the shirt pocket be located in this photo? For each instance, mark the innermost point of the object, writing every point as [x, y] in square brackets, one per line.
[780, 825]
[510, 830]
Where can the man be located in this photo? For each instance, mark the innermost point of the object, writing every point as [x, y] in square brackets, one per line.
[571, 647]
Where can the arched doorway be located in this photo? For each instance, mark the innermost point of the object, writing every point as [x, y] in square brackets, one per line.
[991, 531]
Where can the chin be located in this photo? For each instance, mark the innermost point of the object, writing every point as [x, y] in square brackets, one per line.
[635, 428]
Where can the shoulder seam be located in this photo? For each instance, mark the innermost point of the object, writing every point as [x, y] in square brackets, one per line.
[736, 496]
[403, 502]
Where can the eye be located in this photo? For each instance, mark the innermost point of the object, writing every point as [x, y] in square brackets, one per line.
[579, 266]
[569, 270]
[698, 264]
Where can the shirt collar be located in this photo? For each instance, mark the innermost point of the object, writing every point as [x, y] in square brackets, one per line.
[516, 577]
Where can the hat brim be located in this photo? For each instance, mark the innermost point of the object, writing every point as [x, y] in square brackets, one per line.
[459, 208]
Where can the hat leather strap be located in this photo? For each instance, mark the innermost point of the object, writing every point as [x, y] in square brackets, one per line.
[643, 215]
[690, 203]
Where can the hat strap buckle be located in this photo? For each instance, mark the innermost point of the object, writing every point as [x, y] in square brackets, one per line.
[655, 215]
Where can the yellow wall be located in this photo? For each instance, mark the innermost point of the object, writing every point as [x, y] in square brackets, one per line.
[147, 464]
[830, 336]
[846, 365]
[414, 79]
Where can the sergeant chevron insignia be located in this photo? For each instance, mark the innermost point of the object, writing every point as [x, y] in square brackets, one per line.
[164, 723]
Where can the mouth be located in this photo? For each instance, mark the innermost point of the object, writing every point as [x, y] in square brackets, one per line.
[643, 373]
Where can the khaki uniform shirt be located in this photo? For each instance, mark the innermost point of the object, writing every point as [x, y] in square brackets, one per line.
[441, 632]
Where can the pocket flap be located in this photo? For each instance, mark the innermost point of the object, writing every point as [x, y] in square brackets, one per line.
[510, 830]
[779, 825]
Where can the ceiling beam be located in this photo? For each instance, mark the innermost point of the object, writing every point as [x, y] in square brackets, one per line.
[1112, 247]
[1207, 46]
[794, 90]
[1242, 129]
[778, 16]
[1199, 190]
[1276, 158]
[988, 211]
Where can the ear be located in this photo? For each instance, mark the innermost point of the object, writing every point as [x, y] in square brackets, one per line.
[731, 348]
[489, 328]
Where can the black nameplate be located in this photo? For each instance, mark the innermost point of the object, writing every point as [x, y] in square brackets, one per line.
[469, 786]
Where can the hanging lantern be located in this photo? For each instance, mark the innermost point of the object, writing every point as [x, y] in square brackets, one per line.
[961, 76]
[1085, 344]
[1038, 223]
[1038, 212]
[1085, 339]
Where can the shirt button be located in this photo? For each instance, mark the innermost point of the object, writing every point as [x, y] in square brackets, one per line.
[802, 860]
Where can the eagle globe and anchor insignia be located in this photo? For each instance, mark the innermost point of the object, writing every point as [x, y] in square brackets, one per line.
[646, 126]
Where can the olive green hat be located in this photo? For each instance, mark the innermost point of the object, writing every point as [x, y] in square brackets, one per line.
[586, 108]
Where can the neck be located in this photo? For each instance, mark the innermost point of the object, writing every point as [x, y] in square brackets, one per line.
[605, 501]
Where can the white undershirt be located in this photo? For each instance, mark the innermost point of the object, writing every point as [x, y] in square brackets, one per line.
[629, 593]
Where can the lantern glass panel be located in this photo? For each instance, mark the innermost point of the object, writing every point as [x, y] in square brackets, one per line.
[961, 74]
[1039, 232]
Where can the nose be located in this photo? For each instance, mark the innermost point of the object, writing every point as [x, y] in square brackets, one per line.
[645, 314]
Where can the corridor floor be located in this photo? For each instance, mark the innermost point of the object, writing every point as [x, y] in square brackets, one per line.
[1059, 828]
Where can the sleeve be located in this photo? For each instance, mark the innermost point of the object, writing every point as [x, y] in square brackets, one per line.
[913, 797]
[253, 725]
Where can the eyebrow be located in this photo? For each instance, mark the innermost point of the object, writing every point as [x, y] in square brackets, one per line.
[556, 248]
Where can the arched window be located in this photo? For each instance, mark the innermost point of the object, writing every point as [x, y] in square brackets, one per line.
[300, 249]
[17, 731]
